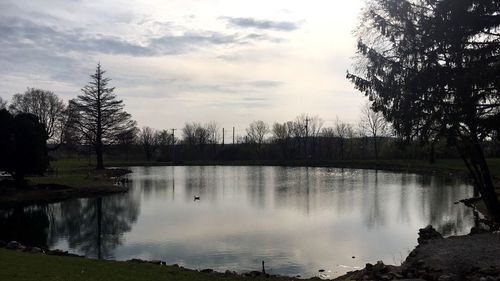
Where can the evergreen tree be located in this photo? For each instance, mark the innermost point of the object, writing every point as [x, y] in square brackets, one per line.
[101, 117]
[432, 67]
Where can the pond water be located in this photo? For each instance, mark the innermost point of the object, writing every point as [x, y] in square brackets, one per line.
[297, 220]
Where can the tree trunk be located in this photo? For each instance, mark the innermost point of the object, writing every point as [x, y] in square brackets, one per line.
[99, 158]
[486, 186]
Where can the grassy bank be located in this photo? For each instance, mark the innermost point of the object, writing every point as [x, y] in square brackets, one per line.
[455, 166]
[67, 179]
[26, 267]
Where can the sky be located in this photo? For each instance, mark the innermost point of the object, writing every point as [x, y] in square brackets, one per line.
[178, 61]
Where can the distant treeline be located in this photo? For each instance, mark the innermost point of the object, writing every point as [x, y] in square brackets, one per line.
[320, 148]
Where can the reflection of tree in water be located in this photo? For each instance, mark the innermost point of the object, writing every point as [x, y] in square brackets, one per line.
[438, 204]
[28, 226]
[95, 226]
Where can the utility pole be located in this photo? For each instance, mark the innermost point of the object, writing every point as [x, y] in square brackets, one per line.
[223, 136]
[233, 135]
[173, 146]
[307, 133]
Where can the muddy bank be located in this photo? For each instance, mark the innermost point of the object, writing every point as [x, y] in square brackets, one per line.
[109, 181]
[471, 257]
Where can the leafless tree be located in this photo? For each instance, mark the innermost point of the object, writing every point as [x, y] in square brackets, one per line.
[3, 104]
[127, 138]
[374, 125]
[256, 133]
[100, 114]
[189, 133]
[342, 131]
[150, 140]
[48, 107]
[282, 133]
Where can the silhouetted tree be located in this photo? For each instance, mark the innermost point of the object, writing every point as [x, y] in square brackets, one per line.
[3, 103]
[256, 132]
[126, 138]
[373, 124]
[101, 117]
[342, 132]
[48, 107]
[432, 68]
[150, 139]
[23, 145]
[281, 135]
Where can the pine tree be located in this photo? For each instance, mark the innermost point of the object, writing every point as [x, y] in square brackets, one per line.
[432, 67]
[101, 117]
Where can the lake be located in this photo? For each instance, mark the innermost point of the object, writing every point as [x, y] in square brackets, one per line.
[297, 220]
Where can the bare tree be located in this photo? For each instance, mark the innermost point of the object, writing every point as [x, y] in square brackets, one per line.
[373, 124]
[189, 133]
[282, 134]
[342, 132]
[328, 135]
[48, 107]
[150, 140]
[3, 104]
[100, 114]
[127, 138]
[256, 132]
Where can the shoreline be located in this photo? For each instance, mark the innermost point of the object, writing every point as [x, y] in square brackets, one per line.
[468, 257]
[104, 183]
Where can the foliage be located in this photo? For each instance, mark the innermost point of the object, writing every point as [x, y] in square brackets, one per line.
[431, 67]
[22, 145]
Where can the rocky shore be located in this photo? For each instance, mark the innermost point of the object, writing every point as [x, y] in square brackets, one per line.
[471, 257]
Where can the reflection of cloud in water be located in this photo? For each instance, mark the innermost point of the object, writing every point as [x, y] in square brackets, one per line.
[296, 219]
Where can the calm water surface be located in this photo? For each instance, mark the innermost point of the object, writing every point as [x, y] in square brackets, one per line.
[298, 220]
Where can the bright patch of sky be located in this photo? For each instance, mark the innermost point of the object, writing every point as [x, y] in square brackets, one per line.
[177, 61]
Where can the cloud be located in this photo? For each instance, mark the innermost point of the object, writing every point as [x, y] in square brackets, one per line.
[261, 24]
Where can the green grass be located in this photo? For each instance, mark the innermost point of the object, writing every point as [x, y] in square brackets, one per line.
[73, 173]
[26, 267]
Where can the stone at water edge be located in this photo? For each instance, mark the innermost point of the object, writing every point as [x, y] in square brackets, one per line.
[428, 233]
[35, 250]
[13, 245]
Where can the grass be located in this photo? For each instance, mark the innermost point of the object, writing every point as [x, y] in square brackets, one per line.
[70, 179]
[441, 165]
[26, 267]
[74, 173]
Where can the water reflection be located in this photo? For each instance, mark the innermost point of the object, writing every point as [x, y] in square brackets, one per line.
[296, 219]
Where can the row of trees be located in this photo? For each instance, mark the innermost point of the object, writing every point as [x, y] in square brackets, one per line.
[300, 138]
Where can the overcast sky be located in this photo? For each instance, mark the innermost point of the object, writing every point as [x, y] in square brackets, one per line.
[177, 61]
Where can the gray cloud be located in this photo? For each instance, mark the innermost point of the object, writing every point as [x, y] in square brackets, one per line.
[261, 24]
[29, 47]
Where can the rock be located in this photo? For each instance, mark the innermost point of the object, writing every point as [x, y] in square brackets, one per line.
[207, 270]
[428, 233]
[253, 274]
[35, 250]
[13, 245]
[136, 261]
[477, 230]
[321, 270]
